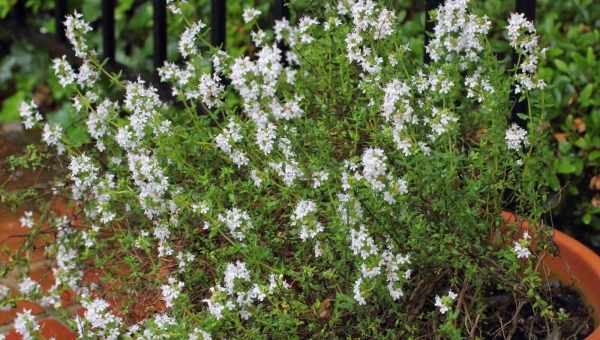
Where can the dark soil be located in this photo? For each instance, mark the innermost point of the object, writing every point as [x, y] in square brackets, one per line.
[517, 319]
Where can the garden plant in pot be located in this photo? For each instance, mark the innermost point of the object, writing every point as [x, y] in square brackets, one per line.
[335, 188]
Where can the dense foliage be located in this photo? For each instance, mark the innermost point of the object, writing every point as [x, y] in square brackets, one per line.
[570, 29]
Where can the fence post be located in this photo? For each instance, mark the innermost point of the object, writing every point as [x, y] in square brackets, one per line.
[429, 24]
[218, 23]
[527, 7]
[20, 13]
[281, 11]
[160, 33]
[60, 11]
[108, 29]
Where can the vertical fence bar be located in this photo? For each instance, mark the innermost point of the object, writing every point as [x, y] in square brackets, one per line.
[60, 11]
[108, 29]
[429, 24]
[527, 7]
[160, 33]
[20, 13]
[218, 23]
[281, 11]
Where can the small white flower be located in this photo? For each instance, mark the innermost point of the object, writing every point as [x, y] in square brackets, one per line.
[250, 14]
[27, 286]
[521, 247]
[256, 178]
[29, 114]
[237, 221]
[199, 334]
[357, 292]
[187, 42]
[63, 71]
[515, 137]
[75, 30]
[4, 291]
[26, 325]
[317, 249]
[362, 244]
[27, 220]
[52, 135]
[445, 303]
[171, 291]
[374, 167]
[175, 5]
[87, 75]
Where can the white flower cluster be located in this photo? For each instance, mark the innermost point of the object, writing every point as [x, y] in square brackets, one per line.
[521, 247]
[522, 37]
[52, 135]
[144, 104]
[209, 90]
[318, 178]
[63, 71]
[174, 6]
[180, 78]
[97, 122]
[150, 180]
[372, 264]
[171, 291]
[457, 34]
[187, 43]
[29, 287]
[368, 23]
[162, 234]
[250, 14]
[98, 321]
[26, 325]
[516, 137]
[27, 220]
[305, 216]
[440, 121]
[396, 92]
[362, 244]
[444, 304]
[374, 168]
[349, 209]
[66, 272]
[87, 75]
[237, 221]
[478, 87]
[5, 306]
[199, 334]
[75, 30]
[84, 175]
[294, 36]
[232, 134]
[376, 174]
[29, 114]
[184, 259]
[236, 296]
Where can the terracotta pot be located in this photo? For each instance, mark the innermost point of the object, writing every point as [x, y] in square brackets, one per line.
[576, 266]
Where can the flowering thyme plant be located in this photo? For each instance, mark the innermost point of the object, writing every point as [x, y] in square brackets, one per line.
[339, 187]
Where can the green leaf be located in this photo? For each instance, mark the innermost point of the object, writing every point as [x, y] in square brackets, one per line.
[10, 108]
[591, 57]
[5, 7]
[594, 155]
[587, 218]
[91, 9]
[561, 65]
[584, 96]
[568, 165]
[77, 136]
